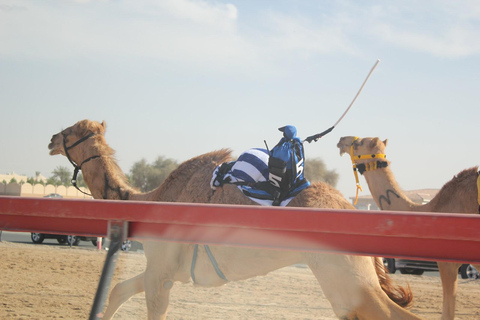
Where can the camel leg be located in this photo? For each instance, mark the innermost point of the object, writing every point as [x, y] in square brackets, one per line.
[351, 285]
[449, 277]
[157, 294]
[122, 292]
[164, 261]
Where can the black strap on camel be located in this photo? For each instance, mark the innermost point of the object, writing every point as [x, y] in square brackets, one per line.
[362, 167]
[77, 167]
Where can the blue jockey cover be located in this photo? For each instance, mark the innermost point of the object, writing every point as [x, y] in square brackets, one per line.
[268, 178]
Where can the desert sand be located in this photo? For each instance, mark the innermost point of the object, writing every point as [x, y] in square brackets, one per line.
[59, 282]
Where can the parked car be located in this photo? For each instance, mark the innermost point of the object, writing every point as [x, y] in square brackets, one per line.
[62, 239]
[467, 271]
[53, 195]
[71, 240]
[418, 267]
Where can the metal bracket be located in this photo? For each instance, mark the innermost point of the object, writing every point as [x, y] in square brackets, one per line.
[117, 232]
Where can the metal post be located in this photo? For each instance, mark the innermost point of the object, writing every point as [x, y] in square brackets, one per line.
[117, 231]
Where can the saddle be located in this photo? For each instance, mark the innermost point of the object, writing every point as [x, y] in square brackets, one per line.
[267, 177]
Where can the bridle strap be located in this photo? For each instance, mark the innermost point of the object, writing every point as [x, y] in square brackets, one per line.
[355, 171]
[77, 167]
[362, 167]
[369, 156]
[88, 136]
[370, 166]
[74, 145]
[75, 173]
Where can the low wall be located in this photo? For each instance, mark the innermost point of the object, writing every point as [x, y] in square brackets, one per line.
[39, 190]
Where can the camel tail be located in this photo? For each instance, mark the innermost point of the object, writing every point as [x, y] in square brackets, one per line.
[398, 294]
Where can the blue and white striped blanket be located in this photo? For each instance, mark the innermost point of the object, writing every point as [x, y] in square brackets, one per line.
[251, 167]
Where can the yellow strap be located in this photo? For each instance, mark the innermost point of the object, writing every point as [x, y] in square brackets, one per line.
[358, 188]
[372, 166]
[355, 171]
[369, 156]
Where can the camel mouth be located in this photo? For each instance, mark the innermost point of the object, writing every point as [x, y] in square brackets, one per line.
[53, 152]
[341, 147]
[54, 149]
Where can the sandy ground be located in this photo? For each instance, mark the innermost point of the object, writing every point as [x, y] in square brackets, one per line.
[59, 282]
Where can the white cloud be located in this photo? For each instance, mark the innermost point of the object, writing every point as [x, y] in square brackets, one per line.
[453, 43]
[189, 31]
[440, 28]
[302, 35]
[203, 12]
[197, 32]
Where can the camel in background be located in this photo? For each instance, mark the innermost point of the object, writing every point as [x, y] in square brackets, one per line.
[459, 195]
[357, 287]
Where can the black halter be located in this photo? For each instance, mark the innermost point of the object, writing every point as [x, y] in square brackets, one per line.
[76, 166]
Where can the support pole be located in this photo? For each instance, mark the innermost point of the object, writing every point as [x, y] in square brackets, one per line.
[117, 232]
[99, 243]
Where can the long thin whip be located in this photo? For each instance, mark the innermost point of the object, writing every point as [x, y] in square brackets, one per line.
[358, 93]
[319, 135]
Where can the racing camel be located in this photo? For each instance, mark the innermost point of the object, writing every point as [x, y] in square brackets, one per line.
[357, 287]
[459, 195]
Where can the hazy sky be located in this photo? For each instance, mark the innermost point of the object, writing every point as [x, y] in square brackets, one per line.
[179, 78]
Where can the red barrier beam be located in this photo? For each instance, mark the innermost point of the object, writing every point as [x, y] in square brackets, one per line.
[428, 236]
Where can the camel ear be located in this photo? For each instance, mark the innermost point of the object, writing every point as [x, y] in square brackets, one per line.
[96, 127]
[385, 142]
[374, 142]
[104, 125]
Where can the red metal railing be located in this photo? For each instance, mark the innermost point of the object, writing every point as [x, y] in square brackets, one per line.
[428, 236]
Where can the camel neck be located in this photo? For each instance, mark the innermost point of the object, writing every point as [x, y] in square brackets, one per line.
[386, 191]
[103, 176]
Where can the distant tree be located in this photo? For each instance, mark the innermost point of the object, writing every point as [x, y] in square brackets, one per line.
[147, 177]
[164, 167]
[80, 181]
[13, 180]
[139, 174]
[37, 179]
[31, 180]
[54, 181]
[316, 170]
[63, 174]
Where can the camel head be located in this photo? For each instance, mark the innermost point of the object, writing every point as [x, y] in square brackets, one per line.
[361, 146]
[73, 135]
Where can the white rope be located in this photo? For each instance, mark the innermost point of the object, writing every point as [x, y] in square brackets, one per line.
[358, 93]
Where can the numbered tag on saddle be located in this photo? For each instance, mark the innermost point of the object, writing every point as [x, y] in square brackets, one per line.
[277, 170]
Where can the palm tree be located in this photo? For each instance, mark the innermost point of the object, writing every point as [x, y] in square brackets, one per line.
[63, 174]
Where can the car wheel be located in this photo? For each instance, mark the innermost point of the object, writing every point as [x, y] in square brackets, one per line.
[416, 272]
[62, 240]
[126, 245]
[467, 271]
[390, 264]
[73, 240]
[37, 237]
